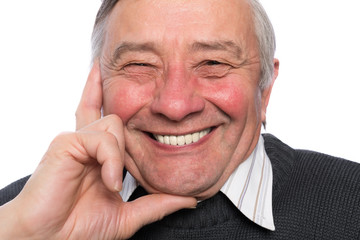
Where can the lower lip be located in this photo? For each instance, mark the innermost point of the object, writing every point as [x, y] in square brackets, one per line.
[177, 147]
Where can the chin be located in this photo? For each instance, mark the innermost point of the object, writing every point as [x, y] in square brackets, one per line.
[193, 184]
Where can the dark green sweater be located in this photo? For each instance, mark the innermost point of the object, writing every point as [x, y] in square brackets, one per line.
[315, 196]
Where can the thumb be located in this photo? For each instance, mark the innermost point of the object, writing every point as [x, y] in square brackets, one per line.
[153, 207]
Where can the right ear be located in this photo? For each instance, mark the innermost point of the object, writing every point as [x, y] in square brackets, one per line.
[265, 95]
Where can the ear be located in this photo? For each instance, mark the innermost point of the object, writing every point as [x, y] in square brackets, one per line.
[265, 95]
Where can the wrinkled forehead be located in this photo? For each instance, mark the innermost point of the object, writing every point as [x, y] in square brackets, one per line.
[180, 18]
[180, 5]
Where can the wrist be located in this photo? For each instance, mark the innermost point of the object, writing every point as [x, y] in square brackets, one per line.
[8, 228]
[11, 223]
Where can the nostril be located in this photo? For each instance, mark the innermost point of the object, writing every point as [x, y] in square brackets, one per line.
[176, 107]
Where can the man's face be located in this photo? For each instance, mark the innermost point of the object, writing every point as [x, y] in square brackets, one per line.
[183, 76]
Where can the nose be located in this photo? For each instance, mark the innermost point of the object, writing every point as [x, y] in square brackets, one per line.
[177, 98]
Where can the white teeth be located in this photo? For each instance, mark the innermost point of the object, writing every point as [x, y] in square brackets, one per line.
[181, 139]
[166, 140]
[173, 140]
[196, 136]
[188, 138]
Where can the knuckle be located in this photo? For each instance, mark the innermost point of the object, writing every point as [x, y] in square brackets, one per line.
[62, 140]
[63, 136]
[79, 108]
[109, 137]
[77, 113]
[114, 119]
[59, 146]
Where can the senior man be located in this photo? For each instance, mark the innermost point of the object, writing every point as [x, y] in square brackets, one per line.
[183, 87]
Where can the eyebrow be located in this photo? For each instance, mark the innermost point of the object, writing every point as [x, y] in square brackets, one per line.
[132, 47]
[198, 46]
[228, 46]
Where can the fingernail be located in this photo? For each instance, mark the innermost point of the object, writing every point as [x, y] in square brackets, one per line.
[192, 207]
[118, 186]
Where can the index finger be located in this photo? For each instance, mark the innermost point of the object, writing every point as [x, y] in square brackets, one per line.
[89, 108]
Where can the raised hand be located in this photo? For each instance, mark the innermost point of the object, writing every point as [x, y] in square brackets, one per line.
[73, 194]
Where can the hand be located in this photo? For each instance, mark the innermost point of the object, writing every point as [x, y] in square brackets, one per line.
[73, 194]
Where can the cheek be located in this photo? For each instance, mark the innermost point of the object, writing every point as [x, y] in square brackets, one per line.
[125, 98]
[231, 97]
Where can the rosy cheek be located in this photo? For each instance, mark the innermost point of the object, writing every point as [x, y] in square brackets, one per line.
[126, 98]
[229, 96]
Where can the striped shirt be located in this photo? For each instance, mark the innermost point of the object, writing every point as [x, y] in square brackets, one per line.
[249, 187]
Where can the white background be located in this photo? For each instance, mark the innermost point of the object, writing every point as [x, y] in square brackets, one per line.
[45, 59]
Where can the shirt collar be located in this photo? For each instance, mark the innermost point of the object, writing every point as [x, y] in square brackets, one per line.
[249, 187]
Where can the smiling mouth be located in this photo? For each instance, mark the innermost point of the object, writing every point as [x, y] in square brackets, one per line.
[181, 140]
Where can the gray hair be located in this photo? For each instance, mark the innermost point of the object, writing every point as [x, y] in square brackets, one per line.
[263, 29]
[266, 42]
